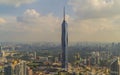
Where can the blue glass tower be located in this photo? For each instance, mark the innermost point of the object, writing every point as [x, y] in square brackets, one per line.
[64, 42]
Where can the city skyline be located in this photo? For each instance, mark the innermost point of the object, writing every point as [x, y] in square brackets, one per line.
[40, 20]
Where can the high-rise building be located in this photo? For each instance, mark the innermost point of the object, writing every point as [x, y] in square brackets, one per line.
[64, 42]
[35, 55]
[59, 57]
[8, 70]
[20, 68]
[0, 51]
[115, 67]
[29, 71]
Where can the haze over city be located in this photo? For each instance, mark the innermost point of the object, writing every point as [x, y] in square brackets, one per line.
[59, 37]
[40, 20]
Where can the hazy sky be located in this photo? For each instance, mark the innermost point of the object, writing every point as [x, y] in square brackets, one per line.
[40, 20]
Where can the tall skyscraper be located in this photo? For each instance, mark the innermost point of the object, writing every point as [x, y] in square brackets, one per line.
[64, 42]
[115, 67]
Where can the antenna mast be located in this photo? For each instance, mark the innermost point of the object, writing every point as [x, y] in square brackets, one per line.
[64, 12]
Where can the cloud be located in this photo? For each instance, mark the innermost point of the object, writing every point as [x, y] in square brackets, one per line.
[16, 2]
[39, 27]
[35, 27]
[86, 9]
[96, 20]
[29, 16]
[102, 30]
[31, 27]
[2, 21]
[32, 18]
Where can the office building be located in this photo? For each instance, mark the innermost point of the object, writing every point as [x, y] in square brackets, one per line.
[8, 70]
[115, 67]
[21, 69]
[64, 42]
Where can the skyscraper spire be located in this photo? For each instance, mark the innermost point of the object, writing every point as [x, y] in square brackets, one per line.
[64, 13]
